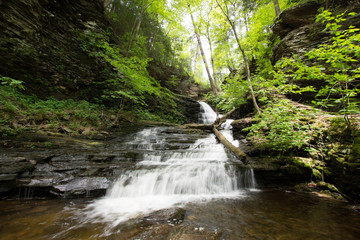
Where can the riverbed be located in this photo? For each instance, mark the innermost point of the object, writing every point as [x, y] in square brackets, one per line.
[263, 214]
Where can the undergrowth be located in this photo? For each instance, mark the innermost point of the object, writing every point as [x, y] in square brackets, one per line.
[23, 112]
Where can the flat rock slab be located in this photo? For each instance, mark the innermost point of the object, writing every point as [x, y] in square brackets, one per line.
[194, 233]
[170, 216]
[193, 237]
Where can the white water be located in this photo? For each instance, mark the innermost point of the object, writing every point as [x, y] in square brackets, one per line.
[197, 174]
[207, 114]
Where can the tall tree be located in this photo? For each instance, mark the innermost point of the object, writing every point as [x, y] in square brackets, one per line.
[144, 4]
[246, 62]
[213, 87]
[277, 7]
[208, 36]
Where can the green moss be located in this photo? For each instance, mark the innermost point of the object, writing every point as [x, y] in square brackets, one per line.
[356, 147]
[317, 174]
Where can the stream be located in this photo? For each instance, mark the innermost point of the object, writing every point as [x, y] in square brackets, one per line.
[182, 186]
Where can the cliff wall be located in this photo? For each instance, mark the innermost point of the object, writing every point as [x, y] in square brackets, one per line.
[39, 44]
[298, 33]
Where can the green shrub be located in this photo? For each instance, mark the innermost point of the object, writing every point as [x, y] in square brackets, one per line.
[280, 127]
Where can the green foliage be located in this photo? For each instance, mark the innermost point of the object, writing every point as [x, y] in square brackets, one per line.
[235, 93]
[259, 40]
[131, 81]
[21, 112]
[170, 115]
[12, 82]
[258, 43]
[280, 127]
[335, 63]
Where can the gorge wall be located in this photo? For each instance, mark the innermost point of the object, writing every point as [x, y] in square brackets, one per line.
[298, 32]
[40, 45]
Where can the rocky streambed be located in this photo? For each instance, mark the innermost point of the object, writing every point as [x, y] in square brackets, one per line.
[201, 191]
[38, 164]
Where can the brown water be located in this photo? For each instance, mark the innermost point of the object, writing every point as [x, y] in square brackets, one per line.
[269, 214]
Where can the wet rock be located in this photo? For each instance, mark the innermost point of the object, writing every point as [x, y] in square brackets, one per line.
[296, 17]
[14, 165]
[8, 177]
[81, 186]
[189, 107]
[194, 233]
[275, 171]
[165, 216]
[40, 157]
[10, 170]
[240, 124]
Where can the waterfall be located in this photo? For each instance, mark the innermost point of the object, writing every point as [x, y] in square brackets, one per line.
[207, 114]
[165, 178]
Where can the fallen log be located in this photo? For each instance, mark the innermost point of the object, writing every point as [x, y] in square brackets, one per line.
[238, 153]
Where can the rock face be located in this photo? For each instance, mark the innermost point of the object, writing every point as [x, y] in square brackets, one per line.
[73, 167]
[294, 27]
[189, 107]
[78, 167]
[79, 173]
[40, 45]
[299, 33]
[298, 30]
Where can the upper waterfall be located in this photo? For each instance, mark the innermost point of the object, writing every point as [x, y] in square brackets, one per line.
[207, 114]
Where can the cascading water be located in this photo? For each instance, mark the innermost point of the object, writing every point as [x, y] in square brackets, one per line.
[207, 114]
[166, 178]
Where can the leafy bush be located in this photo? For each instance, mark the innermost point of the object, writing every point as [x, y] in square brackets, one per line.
[235, 93]
[11, 82]
[280, 127]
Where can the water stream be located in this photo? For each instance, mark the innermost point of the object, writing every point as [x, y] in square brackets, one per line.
[191, 171]
[166, 178]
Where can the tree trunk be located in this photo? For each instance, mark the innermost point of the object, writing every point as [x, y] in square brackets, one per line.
[244, 57]
[238, 153]
[277, 7]
[107, 4]
[136, 27]
[211, 55]
[246, 22]
[213, 88]
[139, 22]
[195, 59]
[135, 30]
